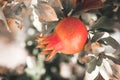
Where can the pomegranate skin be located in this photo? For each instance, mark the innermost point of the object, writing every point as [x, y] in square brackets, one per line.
[72, 33]
[69, 37]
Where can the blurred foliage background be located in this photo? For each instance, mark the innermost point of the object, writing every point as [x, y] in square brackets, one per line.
[21, 21]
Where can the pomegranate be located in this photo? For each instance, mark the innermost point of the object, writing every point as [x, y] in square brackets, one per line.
[69, 37]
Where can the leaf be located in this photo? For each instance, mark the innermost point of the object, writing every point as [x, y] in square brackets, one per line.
[27, 2]
[50, 27]
[108, 10]
[75, 2]
[93, 75]
[46, 13]
[84, 58]
[13, 10]
[9, 36]
[95, 62]
[97, 48]
[117, 53]
[116, 61]
[67, 6]
[2, 17]
[104, 23]
[103, 71]
[87, 5]
[107, 68]
[111, 41]
[58, 7]
[15, 22]
[89, 18]
[91, 4]
[116, 72]
[118, 14]
[88, 46]
[99, 77]
[3, 70]
[92, 65]
[100, 60]
[97, 36]
[56, 3]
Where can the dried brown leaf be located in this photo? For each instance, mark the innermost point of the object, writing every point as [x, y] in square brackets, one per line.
[88, 47]
[2, 17]
[97, 48]
[74, 2]
[27, 2]
[5, 35]
[26, 12]
[91, 4]
[84, 59]
[99, 77]
[116, 70]
[3, 70]
[56, 3]
[87, 5]
[3, 3]
[46, 13]
[15, 22]
[13, 10]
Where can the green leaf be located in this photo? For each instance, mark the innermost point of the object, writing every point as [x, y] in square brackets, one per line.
[92, 65]
[117, 52]
[99, 61]
[104, 23]
[118, 15]
[111, 41]
[116, 61]
[97, 36]
[67, 5]
[50, 27]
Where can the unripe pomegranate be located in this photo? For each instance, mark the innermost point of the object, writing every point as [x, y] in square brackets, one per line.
[68, 37]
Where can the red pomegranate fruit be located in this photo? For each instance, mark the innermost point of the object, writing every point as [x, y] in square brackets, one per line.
[69, 37]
